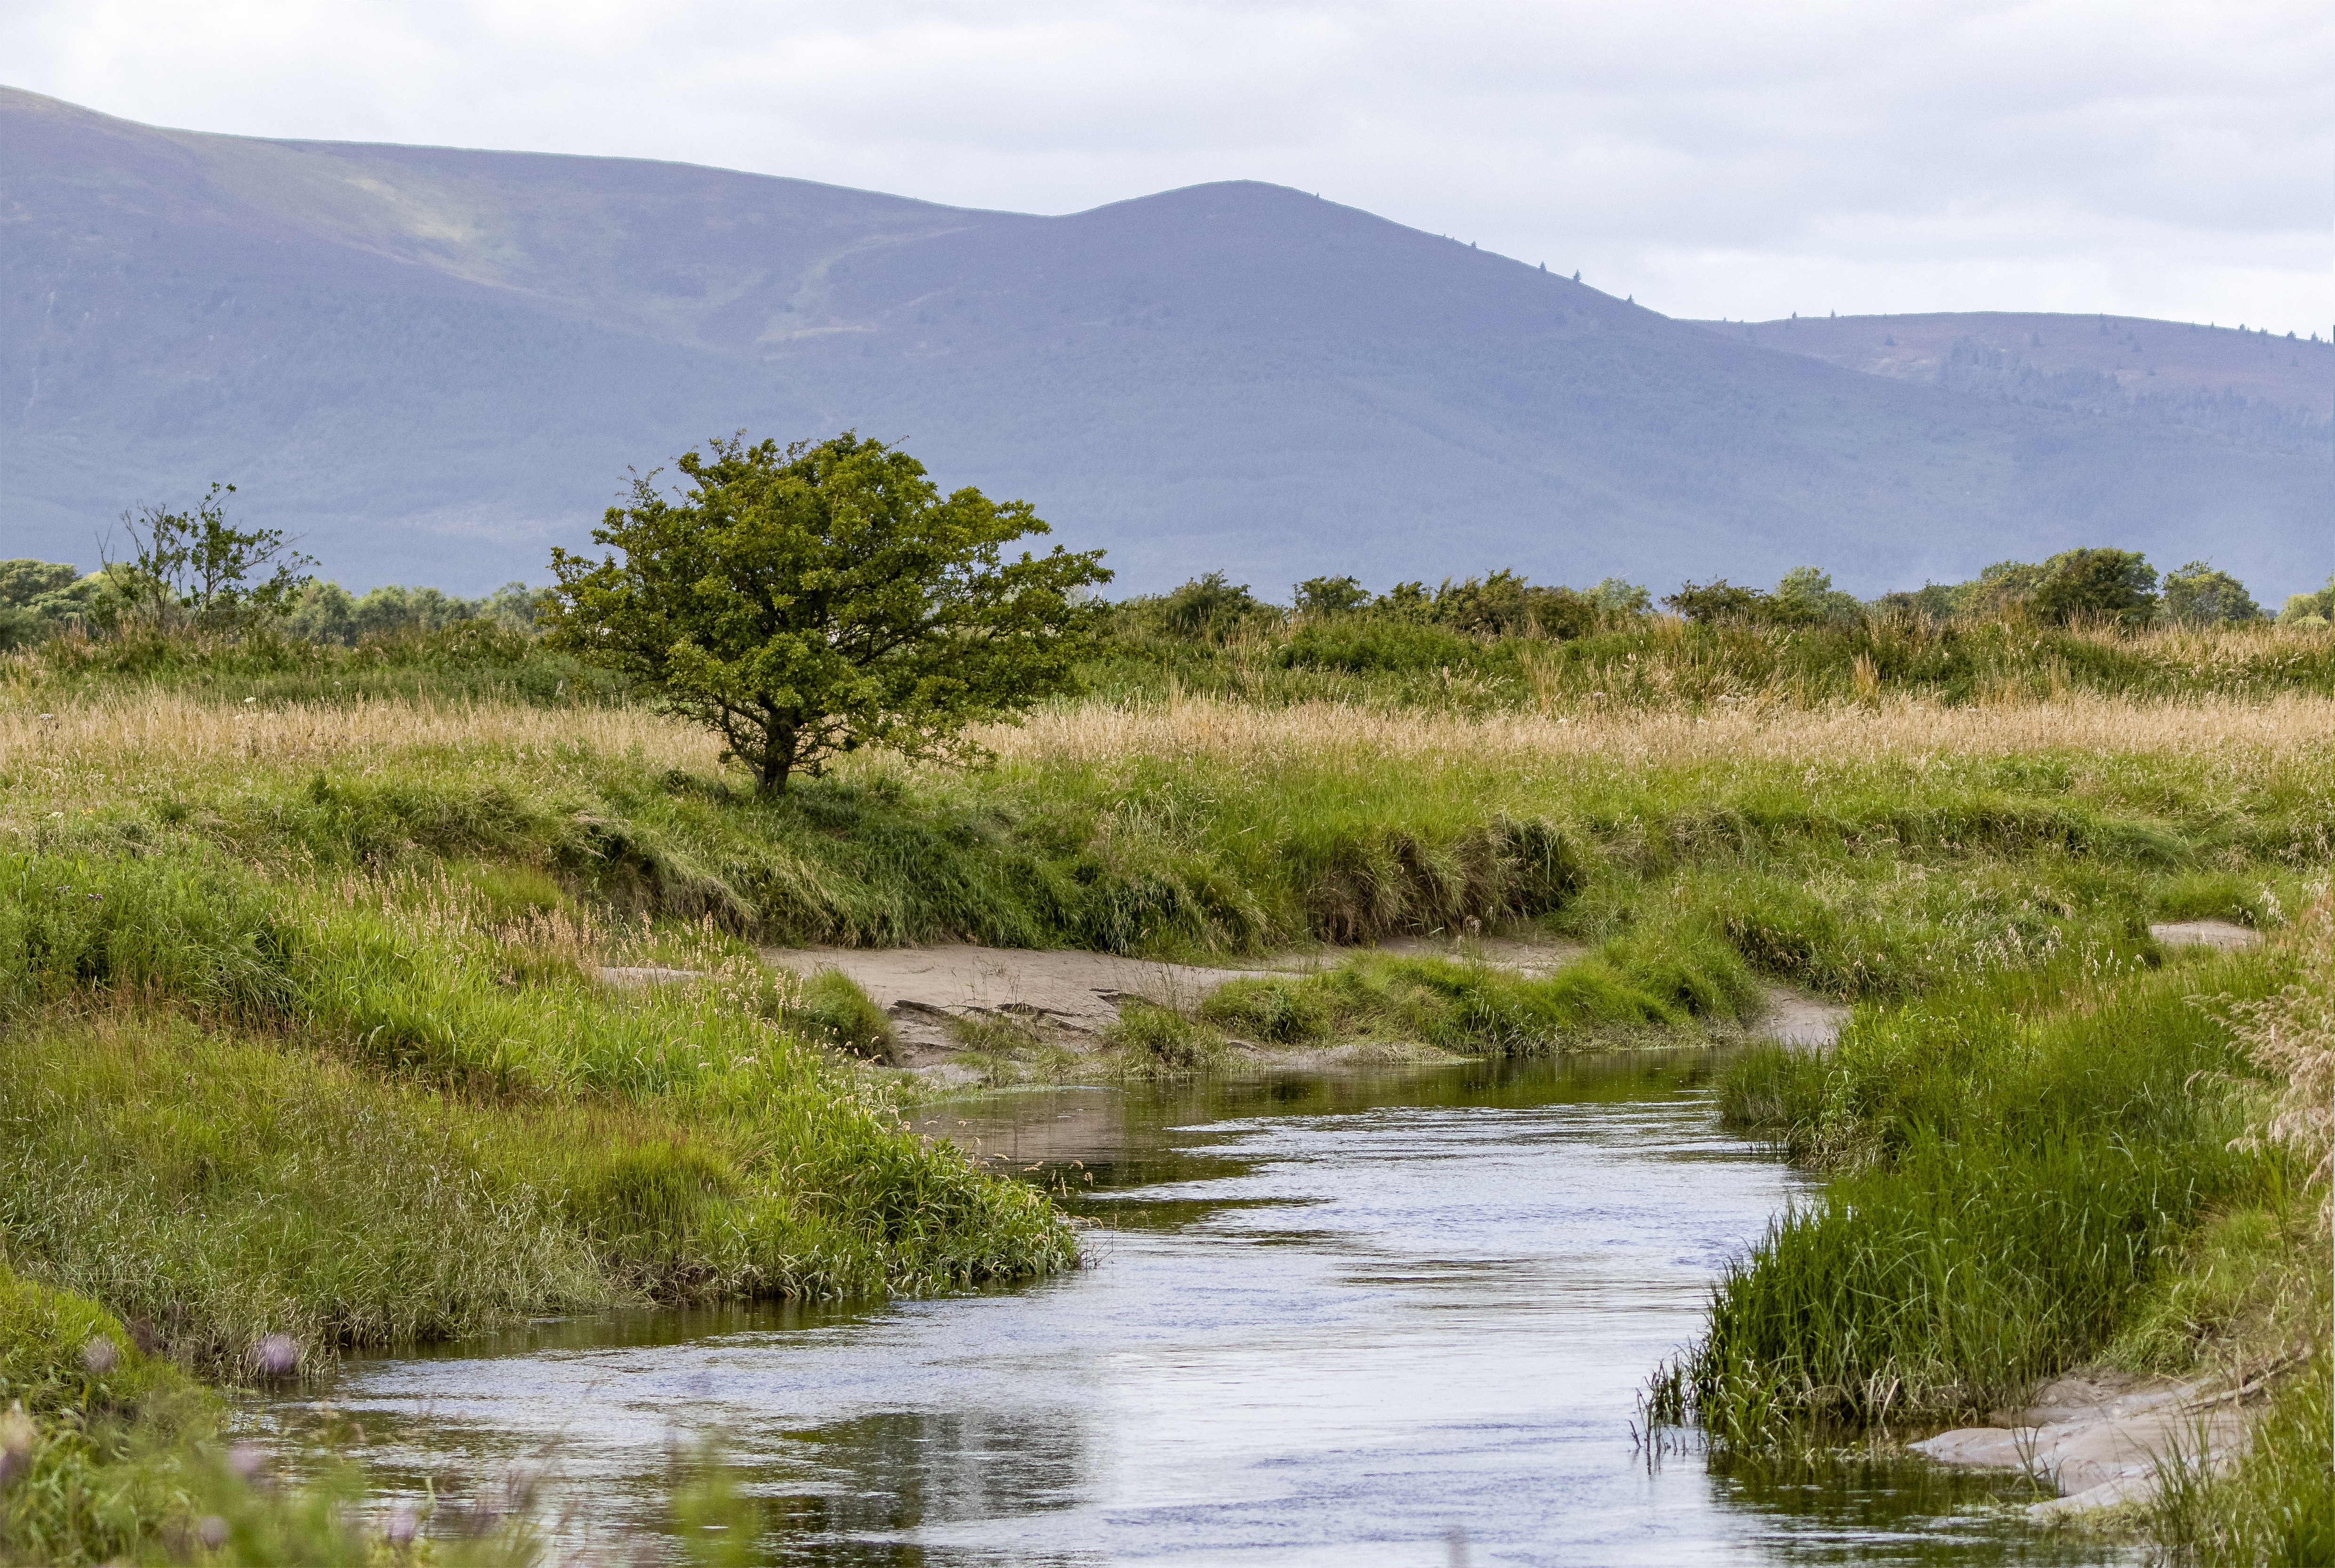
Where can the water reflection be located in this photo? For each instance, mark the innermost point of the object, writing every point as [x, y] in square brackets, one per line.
[1331, 1319]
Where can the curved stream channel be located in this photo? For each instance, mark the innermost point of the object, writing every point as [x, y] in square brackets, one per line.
[1394, 1317]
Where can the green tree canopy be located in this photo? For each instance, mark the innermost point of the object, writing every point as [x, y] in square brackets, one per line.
[2112, 585]
[1330, 596]
[1209, 609]
[1717, 600]
[1614, 595]
[1807, 593]
[2198, 596]
[808, 601]
[2304, 609]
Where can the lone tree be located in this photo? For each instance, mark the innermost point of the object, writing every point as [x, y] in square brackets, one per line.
[197, 567]
[809, 601]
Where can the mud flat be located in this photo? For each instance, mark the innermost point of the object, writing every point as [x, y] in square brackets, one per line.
[1072, 997]
[2103, 1438]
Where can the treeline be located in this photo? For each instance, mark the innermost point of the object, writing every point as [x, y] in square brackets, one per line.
[42, 599]
[2096, 586]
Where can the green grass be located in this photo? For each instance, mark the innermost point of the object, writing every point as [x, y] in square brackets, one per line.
[831, 1007]
[477, 660]
[1633, 990]
[2018, 1159]
[111, 1454]
[237, 1107]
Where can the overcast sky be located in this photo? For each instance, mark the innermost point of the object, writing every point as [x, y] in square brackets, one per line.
[2144, 159]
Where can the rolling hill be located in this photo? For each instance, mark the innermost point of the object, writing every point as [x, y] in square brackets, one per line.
[434, 363]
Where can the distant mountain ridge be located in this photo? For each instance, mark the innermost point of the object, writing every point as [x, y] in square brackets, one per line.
[435, 364]
[2253, 385]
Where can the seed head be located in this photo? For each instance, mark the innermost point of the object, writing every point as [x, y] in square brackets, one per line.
[101, 1355]
[213, 1531]
[246, 1460]
[399, 1528]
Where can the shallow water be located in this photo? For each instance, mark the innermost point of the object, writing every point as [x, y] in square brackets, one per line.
[1401, 1317]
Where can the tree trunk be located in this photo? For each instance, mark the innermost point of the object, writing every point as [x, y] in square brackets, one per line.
[778, 759]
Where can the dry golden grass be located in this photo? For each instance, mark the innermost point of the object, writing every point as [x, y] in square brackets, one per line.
[1885, 731]
[187, 733]
[2291, 1038]
[152, 736]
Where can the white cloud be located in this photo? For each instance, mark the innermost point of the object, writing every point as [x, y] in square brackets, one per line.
[2160, 159]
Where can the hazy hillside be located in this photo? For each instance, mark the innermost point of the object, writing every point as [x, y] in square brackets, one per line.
[436, 363]
[2250, 384]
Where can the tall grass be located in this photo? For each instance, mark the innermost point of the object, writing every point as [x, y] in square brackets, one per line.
[2016, 1156]
[1663, 663]
[110, 1453]
[2275, 1505]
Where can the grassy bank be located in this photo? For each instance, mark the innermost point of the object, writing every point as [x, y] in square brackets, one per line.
[2030, 1172]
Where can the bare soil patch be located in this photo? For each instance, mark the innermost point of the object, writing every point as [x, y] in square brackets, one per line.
[1069, 997]
[2100, 1437]
[2221, 934]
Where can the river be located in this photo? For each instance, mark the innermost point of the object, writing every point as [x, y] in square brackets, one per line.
[1389, 1317]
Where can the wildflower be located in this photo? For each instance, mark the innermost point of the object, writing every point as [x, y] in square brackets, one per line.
[213, 1531]
[276, 1356]
[399, 1528]
[246, 1460]
[101, 1355]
